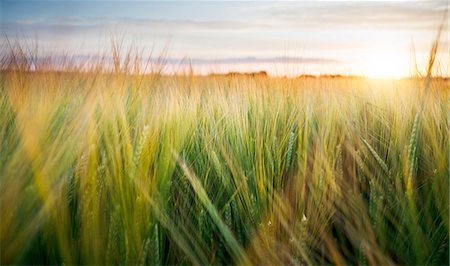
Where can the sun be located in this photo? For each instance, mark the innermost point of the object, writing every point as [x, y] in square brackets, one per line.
[385, 66]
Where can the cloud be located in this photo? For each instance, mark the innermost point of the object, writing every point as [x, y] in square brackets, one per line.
[415, 15]
[285, 60]
[308, 15]
[253, 60]
[32, 21]
[74, 22]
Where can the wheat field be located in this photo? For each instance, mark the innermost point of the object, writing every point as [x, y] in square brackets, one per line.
[122, 167]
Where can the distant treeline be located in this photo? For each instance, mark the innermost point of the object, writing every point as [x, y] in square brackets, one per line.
[303, 76]
[240, 74]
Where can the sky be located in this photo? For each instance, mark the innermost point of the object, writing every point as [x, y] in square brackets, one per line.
[374, 38]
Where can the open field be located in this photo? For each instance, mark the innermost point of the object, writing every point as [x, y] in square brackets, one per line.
[128, 169]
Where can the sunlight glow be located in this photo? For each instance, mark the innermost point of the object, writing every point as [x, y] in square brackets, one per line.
[385, 66]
